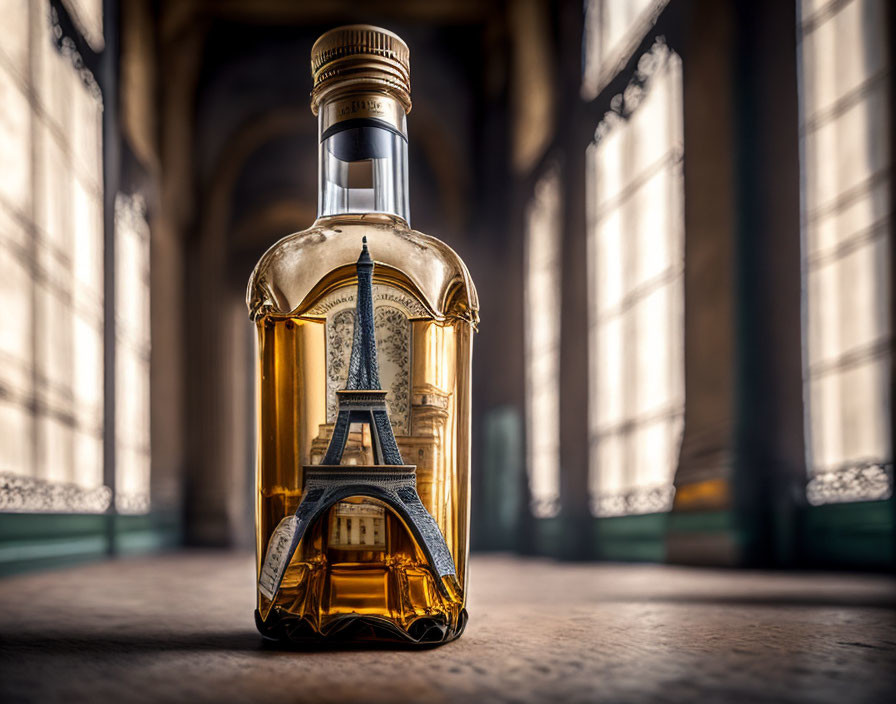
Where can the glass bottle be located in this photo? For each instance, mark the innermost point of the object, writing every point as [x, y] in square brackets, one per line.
[360, 569]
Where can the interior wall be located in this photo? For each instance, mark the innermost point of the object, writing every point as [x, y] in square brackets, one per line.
[237, 169]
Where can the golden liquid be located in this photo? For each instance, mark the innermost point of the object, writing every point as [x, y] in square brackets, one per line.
[385, 577]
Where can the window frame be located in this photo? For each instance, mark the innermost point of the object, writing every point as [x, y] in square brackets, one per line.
[579, 116]
[857, 479]
[547, 506]
[648, 498]
[30, 540]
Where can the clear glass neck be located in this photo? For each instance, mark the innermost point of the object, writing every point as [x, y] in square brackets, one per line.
[363, 168]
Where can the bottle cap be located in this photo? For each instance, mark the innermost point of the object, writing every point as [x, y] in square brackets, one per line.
[360, 58]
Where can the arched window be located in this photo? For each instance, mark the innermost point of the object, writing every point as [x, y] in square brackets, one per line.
[542, 331]
[51, 266]
[613, 29]
[636, 295]
[55, 289]
[846, 135]
[132, 325]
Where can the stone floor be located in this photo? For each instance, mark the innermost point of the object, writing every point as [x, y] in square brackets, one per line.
[179, 628]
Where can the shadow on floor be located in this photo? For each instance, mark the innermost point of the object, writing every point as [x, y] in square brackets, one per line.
[124, 643]
[874, 601]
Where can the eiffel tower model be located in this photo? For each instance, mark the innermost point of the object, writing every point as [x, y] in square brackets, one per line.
[362, 400]
[388, 480]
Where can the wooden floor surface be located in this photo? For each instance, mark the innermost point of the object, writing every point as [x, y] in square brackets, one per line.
[178, 628]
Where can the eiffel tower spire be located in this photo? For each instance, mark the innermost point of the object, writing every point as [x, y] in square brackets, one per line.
[363, 370]
[362, 400]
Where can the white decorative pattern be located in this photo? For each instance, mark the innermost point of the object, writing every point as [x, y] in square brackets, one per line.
[868, 481]
[20, 494]
[641, 500]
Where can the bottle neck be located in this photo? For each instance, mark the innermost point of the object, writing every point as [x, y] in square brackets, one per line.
[363, 158]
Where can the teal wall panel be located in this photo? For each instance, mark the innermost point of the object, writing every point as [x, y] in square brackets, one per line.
[32, 541]
[857, 535]
[631, 538]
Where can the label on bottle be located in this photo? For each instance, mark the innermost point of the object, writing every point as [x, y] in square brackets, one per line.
[393, 310]
[277, 557]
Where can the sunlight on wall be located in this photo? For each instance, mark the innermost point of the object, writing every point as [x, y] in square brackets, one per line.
[132, 325]
[613, 30]
[51, 273]
[636, 295]
[847, 214]
[542, 331]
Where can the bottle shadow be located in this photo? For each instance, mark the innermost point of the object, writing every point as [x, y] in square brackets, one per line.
[20, 645]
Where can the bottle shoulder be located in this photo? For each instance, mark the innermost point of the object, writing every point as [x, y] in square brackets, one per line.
[289, 276]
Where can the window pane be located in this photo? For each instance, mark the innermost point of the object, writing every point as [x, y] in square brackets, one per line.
[636, 296]
[51, 292]
[132, 453]
[88, 16]
[613, 29]
[846, 218]
[542, 330]
[15, 140]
